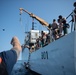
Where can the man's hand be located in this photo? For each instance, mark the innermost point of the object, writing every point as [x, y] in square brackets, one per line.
[16, 45]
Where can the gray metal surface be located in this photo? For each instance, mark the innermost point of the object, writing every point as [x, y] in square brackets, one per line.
[61, 57]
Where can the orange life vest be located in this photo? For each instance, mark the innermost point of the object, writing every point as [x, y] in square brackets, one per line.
[0, 60]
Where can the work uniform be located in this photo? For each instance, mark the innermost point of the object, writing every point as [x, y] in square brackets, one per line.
[9, 58]
[54, 32]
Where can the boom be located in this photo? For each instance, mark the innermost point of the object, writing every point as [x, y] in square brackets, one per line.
[43, 22]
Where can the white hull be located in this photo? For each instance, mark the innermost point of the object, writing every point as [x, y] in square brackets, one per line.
[57, 58]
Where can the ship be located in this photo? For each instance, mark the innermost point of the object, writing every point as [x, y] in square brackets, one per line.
[55, 58]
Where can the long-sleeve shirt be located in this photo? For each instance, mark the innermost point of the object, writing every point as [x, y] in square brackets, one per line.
[9, 58]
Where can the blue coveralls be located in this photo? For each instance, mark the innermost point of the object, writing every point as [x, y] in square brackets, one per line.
[9, 58]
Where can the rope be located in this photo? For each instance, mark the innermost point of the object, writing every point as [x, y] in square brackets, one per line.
[29, 57]
[23, 30]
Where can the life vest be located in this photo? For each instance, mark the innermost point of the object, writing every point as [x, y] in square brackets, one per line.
[0, 60]
[3, 70]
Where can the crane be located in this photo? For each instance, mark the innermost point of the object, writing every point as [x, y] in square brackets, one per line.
[36, 33]
[41, 21]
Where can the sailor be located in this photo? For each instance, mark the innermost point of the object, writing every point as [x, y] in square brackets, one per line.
[42, 40]
[9, 58]
[49, 35]
[55, 30]
[48, 38]
[65, 26]
[60, 19]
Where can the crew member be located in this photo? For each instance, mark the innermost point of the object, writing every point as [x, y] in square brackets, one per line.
[65, 26]
[55, 29]
[60, 19]
[9, 58]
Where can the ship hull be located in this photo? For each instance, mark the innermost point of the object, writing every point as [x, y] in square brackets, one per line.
[57, 58]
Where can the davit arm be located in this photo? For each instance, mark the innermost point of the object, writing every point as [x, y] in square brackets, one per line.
[43, 22]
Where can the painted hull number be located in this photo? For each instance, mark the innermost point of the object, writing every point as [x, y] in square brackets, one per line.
[44, 55]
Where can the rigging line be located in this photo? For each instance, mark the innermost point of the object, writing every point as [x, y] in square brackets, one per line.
[27, 25]
[21, 24]
[29, 57]
[28, 62]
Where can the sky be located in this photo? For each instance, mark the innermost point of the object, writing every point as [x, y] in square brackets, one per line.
[12, 24]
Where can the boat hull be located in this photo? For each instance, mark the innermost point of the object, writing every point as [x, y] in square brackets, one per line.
[57, 58]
